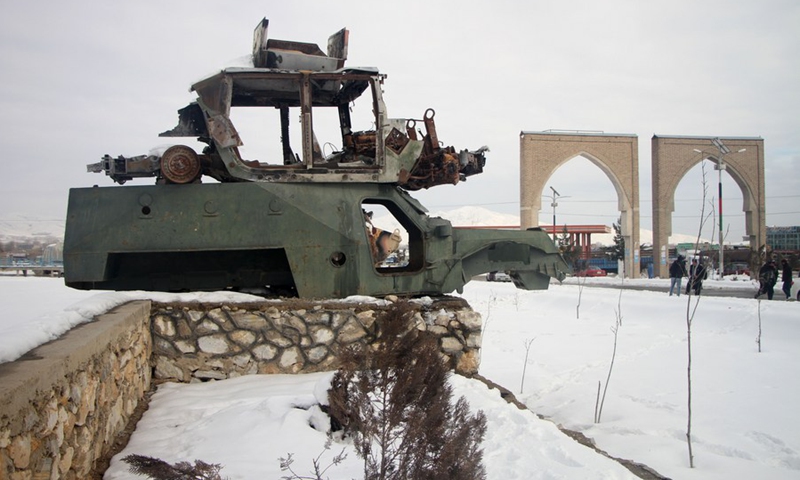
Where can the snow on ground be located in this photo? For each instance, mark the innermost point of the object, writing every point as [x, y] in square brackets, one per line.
[744, 402]
[37, 310]
[744, 420]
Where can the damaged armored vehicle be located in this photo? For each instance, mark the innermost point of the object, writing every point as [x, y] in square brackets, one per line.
[303, 219]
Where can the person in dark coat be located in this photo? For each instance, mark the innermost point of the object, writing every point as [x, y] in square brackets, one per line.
[692, 268]
[677, 270]
[700, 274]
[767, 278]
[786, 278]
[697, 273]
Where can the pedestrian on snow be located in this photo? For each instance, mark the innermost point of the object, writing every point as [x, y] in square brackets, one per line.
[767, 278]
[692, 268]
[700, 274]
[786, 278]
[677, 270]
[697, 273]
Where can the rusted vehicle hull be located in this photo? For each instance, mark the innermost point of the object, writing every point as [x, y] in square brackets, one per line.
[308, 240]
[297, 217]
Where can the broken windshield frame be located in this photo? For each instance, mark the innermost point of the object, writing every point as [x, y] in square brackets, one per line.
[285, 91]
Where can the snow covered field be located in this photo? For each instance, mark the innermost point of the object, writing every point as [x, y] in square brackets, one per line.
[745, 414]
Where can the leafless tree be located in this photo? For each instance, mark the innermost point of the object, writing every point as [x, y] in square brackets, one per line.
[581, 283]
[691, 309]
[758, 338]
[489, 305]
[527, 344]
[599, 402]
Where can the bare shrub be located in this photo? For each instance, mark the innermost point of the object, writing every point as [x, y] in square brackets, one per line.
[491, 302]
[600, 402]
[158, 469]
[527, 344]
[318, 470]
[581, 283]
[395, 403]
[758, 338]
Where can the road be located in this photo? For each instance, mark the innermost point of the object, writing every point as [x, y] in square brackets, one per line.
[745, 291]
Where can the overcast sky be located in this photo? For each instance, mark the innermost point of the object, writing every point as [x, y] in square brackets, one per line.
[82, 79]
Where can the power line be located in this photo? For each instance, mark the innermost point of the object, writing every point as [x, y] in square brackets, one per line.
[673, 216]
[676, 200]
[573, 200]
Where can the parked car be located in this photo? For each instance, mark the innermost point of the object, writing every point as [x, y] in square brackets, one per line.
[591, 272]
[497, 277]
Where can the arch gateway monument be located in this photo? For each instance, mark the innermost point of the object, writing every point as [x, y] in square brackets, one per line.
[673, 156]
[617, 155]
[542, 153]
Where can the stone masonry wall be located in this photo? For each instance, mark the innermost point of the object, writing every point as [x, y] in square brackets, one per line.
[63, 403]
[198, 342]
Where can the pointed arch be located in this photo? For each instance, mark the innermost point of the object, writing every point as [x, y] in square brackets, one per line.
[542, 153]
[673, 156]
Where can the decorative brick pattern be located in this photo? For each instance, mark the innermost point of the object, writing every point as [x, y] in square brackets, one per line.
[673, 156]
[617, 155]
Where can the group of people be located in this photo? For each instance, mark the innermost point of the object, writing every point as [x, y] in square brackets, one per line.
[767, 277]
[697, 273]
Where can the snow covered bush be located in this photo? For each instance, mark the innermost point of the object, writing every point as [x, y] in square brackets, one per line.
[158, 469]
[395, 403]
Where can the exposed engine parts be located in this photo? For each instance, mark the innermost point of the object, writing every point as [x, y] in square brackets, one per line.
[292, 219]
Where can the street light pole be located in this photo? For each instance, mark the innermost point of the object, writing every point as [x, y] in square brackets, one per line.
[720, 166]
[554, 205]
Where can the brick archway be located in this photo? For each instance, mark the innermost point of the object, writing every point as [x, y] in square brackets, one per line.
[674, 156]
[542, 153]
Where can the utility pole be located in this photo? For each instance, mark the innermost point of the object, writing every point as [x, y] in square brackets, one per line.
[720, 166]
[554, 205]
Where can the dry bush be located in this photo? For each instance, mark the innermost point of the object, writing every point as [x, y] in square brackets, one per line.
[158, 469]
[395, 403]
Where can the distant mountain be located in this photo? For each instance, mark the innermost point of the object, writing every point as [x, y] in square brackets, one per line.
[477, 217]
[646, 236]
[17, 227]
[459, 217]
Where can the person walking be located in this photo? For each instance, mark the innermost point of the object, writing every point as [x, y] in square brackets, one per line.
[700, 274]
[767, 278]
[786, 278]
[697, 273]
[690, 281]
[677, 270]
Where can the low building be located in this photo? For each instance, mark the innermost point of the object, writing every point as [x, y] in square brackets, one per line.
[784, 239]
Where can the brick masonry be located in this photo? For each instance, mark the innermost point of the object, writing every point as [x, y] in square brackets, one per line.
[673, 156]
[542, 153]
[617, 155]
